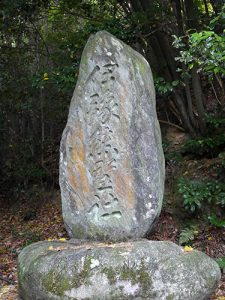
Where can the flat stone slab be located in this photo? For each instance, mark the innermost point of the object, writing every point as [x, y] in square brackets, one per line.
[111, 158]
[132, 270]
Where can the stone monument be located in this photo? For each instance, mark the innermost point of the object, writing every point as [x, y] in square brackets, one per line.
[111, 158]
[112, 180]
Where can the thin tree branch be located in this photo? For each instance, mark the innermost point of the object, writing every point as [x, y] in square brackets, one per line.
[172, 124]
[42, 38]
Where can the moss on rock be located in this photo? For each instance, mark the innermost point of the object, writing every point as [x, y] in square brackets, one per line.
[135, 274]
[58, 281]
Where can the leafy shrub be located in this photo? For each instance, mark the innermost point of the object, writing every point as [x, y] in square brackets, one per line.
[214, 121]
[204, 49]
[171, 156]
[196, 193]
[210, 144]
[204, 146]
[63, 79]
[193, 193]
[163, 87]
[221, 156]
[217, 222]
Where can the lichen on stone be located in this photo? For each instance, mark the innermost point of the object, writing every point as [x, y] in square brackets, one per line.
[135, 274]
[170, 297]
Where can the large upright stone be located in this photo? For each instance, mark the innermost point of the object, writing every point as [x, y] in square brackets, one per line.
[111, 160]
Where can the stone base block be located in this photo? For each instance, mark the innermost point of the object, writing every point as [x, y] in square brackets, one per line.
[133, 270]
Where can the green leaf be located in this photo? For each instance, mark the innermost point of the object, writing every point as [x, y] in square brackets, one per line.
[216, 221]
[221, 262]
[187, 235]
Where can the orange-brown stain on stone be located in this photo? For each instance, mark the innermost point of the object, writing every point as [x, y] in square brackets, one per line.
[123, 183]
[78, 159]
[76, 164]
[73, 182]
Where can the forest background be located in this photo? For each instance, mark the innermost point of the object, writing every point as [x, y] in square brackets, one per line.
[41, 42]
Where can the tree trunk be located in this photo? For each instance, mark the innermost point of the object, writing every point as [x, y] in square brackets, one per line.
[184, 115]
[166, 47]
[189, 102]
[191, 11]
[162, 62]
[178, 14]
[198, 98]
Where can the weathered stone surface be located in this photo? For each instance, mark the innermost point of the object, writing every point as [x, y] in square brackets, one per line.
[111, 164]
[132, 270]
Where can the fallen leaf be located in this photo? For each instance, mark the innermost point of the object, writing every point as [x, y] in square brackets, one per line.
[188, 249]
[62, 239]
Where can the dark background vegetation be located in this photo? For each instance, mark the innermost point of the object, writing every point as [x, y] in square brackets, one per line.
[41, 42]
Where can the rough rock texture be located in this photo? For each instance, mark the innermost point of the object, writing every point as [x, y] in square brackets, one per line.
[111, 159]
[132, 270]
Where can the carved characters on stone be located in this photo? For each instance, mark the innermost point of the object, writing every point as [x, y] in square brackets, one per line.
[103, 153]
